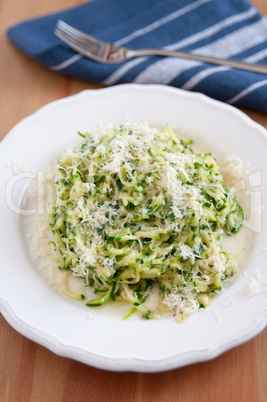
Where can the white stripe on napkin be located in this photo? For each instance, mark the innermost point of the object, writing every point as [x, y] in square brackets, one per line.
[197, 78]
[120, 72]
[66, 63]
[166, 70]
[213, 29]
[262, 54]
[157, 24]
[247, 91]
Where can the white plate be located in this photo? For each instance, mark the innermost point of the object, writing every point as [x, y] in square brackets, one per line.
[37, 311]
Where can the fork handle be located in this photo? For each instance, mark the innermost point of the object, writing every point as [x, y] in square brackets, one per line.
[256, 68]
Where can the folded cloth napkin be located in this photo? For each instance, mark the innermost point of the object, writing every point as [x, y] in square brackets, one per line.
[222, 28]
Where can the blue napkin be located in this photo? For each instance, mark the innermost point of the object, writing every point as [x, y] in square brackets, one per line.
[223, 28]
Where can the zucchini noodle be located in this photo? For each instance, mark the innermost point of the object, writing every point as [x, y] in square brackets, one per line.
[136, 207]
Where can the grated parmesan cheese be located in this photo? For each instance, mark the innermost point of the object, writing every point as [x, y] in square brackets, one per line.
[252, 287]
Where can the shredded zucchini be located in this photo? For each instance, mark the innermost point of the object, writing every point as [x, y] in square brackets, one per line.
[136, 207]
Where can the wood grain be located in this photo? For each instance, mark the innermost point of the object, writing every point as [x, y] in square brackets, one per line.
[29, 372]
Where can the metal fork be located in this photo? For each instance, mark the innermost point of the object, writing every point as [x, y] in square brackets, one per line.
[107, 53]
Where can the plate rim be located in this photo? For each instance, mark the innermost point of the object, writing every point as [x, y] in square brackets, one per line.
[95, 92]
[123, 364]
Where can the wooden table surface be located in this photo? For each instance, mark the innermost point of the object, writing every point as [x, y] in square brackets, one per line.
[29, 372]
